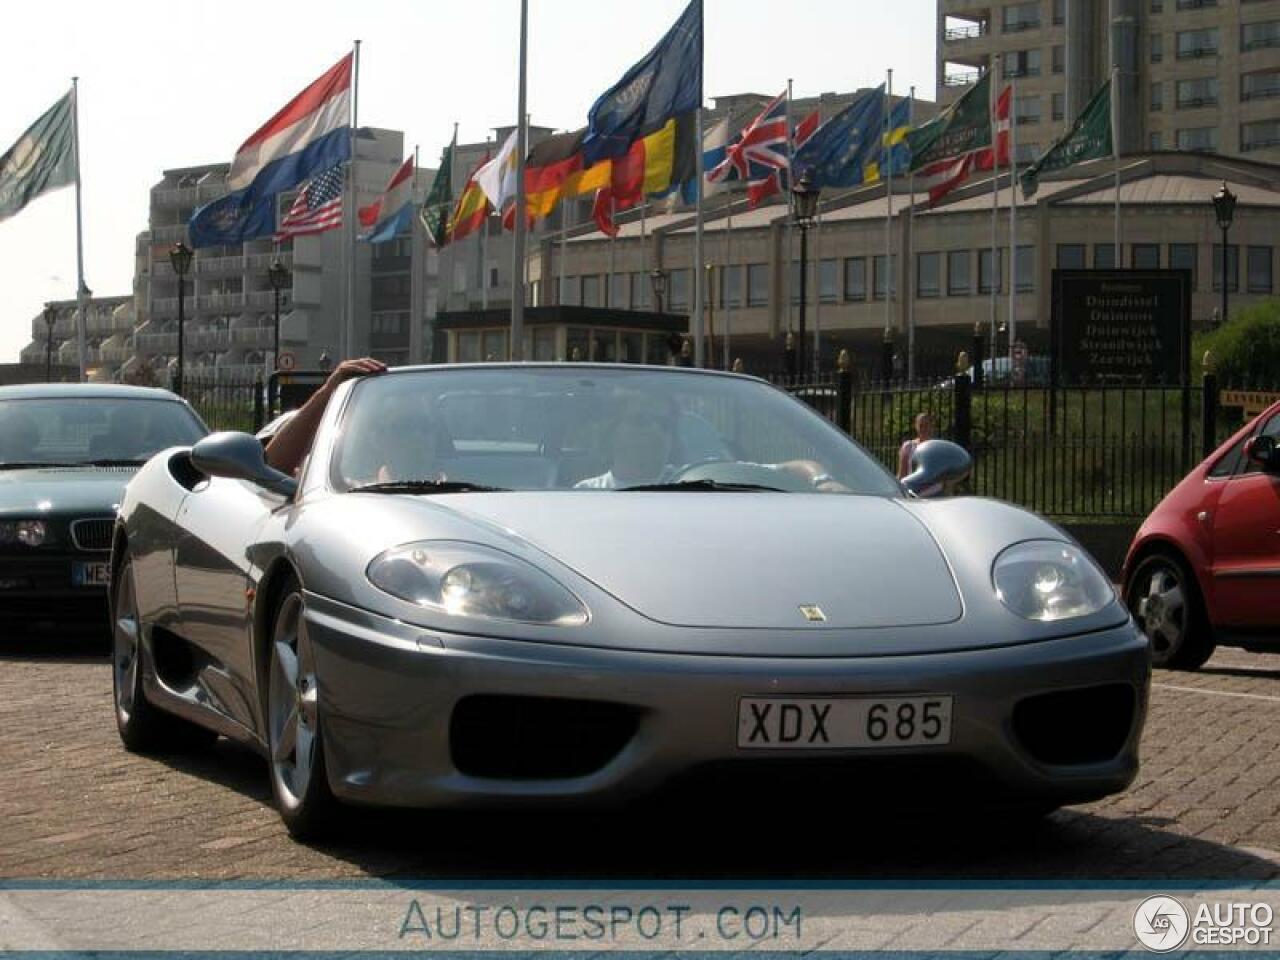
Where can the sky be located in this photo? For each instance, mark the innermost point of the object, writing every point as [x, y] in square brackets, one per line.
[173, 84]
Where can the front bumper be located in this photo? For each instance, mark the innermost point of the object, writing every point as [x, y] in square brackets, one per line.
[390, 695]
[40, 588]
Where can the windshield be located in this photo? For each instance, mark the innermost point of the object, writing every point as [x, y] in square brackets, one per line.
[547, 428]
[76, 430]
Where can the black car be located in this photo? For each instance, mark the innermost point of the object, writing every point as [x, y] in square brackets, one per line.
[66, 453]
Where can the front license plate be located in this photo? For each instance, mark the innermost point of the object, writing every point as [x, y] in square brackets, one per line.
[842, 723]
[90, 574]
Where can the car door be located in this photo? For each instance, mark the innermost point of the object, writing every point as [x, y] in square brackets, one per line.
[1246, 546]
[214, 572]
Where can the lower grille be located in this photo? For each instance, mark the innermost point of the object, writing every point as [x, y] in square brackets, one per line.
[92, 534]
[537, 738]
[1076, 726]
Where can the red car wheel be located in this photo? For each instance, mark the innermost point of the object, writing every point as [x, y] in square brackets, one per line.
[1165, 601]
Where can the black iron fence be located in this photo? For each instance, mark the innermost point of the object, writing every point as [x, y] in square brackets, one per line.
[227, 404]
[1067, 452]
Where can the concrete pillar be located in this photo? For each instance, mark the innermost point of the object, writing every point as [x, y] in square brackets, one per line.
[1124, 16]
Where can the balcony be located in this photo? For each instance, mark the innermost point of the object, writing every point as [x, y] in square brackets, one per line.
[170, 233]
[1262, 93]
[968, 32]
[207, 339]
[1262, 143]
[166, 304]
[261, 338]
[1196, 53]
[210, 265]
[156, 342]
[262, 261]
[963, 78]
[222, 301]
[1196, 4]
[1195, 103]
[175, 196]
[1021, 26]
[211, 191]
[115, 354]
[261, 299]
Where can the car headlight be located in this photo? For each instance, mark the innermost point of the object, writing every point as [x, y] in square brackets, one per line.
[1050, 580]
[31, 533]
[468, 580]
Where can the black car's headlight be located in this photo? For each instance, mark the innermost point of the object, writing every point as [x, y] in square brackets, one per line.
[469, 580]
[1050, 580]
[30, 533]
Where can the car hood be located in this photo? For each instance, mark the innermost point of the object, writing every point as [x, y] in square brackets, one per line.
[63, 490]
[740, 560]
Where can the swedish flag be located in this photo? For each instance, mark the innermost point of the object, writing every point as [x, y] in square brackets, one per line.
[894, 143]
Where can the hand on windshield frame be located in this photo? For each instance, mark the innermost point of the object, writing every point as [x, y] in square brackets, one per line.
[290, 446]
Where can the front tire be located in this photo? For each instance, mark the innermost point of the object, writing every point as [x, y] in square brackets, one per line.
[299, 778]
[1165, 602]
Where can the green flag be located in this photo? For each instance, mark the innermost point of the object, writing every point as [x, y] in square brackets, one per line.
[439, 202]
[43, 159]
[963, 127]
[1089, 139]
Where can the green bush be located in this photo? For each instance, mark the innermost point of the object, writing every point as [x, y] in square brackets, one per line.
[1246, 348]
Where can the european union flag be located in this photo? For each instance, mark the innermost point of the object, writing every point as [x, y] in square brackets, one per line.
[837, 152]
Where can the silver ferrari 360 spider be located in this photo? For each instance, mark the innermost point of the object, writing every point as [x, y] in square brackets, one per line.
[537, 585]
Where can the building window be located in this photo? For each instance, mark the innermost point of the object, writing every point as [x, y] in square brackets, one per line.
[1021, 16]
[1196, 4]
[1025, 262]
[1261, 85]
[1182, 256]
[989, 270]
[641, 292]
[1204, 139]
[1256, 36]
[1059, 58]
[571, 291]
[757, 284]
[879, 275]
[390, 323]
[1233, 267]
[1104, 256]
[1259, 134]
[544, 344]
[793, 282]
[1197, 92]
[1258, 270]
[618, 288]
[459, 277]
[1059, 106]
[1027, 153]
[1155, 141]
[469, 347]
[1071, 256]
[731, 286]
[1145, 256]
[591, 290]
[1027, 110]
[828, 281]
[1157, 96]
[1157, 6]
[1059, 12]
[959, 281]
[1157, 48]
[1022, 63]
[855, 278]
[928, 274]
[678, 288]
[1193, 44]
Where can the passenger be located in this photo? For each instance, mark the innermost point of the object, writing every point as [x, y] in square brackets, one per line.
[291, 444]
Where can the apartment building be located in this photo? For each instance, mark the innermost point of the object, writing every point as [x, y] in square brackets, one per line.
[109, 325]
[1194, 75]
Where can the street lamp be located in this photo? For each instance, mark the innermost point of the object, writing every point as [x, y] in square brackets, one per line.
[805, 196]
[50, 318]
[180, 259]
[278, 274]
[658, 278]
[1224, 208]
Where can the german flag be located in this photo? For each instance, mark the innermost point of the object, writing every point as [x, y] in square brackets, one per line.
[470, 211]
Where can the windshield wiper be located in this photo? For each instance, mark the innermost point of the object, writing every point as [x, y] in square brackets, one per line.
[426, 486]
[698, 485]
[115, 462]
[37, 464]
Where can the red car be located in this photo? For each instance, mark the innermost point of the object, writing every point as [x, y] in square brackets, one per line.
[1204, 568]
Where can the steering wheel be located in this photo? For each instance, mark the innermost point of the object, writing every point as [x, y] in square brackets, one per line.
[735, 471]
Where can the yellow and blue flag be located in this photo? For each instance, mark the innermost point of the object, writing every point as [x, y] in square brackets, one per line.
[893, 143]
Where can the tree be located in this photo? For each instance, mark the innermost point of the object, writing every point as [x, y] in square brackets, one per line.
[1246, 349]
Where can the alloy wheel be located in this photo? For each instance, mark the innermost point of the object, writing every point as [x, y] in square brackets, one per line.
[124, 642]
[1161, 612]
[292, 703]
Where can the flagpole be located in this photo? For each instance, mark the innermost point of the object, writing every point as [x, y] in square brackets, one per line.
[1115, 151]
[613, 219]
[911, 246]
[1013, 221]
[416, 250]
[814, 276]
[522, 146]
[81, 289]
[644, 248]
[995, 211]
[565, 206]
[699, 347]
[887, 173]
[791, 165]
[725, 300]
[484, 256]
[350, 347]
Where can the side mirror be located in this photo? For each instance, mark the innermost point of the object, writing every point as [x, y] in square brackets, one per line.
[239, 456]
[937, 462]
[1262, 451]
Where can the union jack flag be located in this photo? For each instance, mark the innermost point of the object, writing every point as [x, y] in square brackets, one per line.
[318, 206]
[759, 155]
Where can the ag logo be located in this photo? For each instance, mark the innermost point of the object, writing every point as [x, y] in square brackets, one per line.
[1161, 923]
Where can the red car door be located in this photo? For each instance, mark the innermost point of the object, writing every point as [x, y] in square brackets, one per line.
[1246, 546]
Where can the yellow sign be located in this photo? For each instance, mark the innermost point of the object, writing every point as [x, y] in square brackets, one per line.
[1253, 401]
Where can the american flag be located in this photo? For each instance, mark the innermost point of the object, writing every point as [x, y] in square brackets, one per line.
[759, 155]
[317, 208]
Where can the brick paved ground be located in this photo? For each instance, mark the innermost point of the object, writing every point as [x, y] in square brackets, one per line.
[74, 804]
